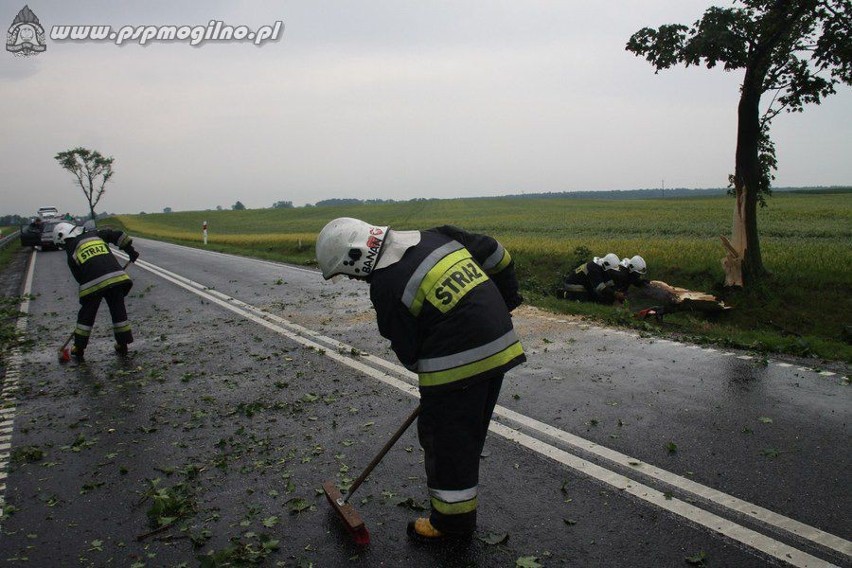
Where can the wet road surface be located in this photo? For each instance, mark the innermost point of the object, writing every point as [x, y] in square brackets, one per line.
[251, 383]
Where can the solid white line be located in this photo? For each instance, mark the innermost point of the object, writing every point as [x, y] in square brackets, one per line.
[232, 305]
[715, 523]
[750, 510]
[28, 286]
[230, 256]
[779, 521]
[292, 331]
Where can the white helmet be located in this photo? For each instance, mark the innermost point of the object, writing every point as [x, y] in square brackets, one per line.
[635, 264]
[64, 231]
[609, 262]
[349, 246]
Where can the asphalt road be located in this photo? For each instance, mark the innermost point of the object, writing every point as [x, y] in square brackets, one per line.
[250, 383]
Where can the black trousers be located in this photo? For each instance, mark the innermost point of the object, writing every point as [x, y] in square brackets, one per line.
[452, 428]
[89, 305]
[572, 295]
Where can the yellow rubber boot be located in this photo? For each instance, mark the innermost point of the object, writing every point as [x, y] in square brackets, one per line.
[421, 529]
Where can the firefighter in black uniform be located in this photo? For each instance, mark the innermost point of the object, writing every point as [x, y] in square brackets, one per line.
[631, 272]
[443, 297]
[594, 281]
[100, 277]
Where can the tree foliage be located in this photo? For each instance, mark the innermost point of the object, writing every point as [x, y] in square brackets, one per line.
[238, 206]
[92, 171]
[797, 51]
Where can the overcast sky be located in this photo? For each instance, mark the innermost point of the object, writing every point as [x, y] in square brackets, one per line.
[389, 99]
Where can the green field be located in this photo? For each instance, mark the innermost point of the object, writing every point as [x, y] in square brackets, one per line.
[803, 309]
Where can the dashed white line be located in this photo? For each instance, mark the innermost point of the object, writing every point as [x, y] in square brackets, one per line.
[13, 372]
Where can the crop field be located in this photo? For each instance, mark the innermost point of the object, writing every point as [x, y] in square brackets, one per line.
[804, 307]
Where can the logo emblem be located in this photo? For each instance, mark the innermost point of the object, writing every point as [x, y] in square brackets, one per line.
[25, 36]
[374, 243]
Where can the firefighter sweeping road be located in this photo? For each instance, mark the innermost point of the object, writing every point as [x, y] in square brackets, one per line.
[251, 383]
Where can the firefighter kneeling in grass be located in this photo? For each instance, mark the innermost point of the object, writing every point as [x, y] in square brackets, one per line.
[443, 298]
[100, 277]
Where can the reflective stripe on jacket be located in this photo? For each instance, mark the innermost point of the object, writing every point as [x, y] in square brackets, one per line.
[93, 264]
[592, 278]
[444, 315]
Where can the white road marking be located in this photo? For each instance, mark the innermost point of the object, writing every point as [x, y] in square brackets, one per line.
[10, 381]
[730, 529]
[231, 257]
[715, 523]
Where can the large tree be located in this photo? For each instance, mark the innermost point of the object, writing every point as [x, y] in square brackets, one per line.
[92, 171]
[797, 51]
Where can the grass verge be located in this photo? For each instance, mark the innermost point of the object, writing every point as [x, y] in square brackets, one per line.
[802, 309]
[9, 307]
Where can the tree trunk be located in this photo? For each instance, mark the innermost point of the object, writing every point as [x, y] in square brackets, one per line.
[743, 263]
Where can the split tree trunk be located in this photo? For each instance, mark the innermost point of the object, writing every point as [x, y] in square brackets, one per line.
[743, 263]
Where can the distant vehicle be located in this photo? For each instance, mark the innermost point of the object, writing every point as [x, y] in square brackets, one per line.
[39, 234]
[48, 212]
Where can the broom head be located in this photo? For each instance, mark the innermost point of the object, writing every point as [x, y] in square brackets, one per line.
[347, 513]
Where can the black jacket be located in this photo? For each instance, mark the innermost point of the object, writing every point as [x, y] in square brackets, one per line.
[445, 308]
[93, 265]
[624, 280]
[592, 279]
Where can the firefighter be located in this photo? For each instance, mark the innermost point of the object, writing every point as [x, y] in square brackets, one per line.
[443, 298]
[100, 278]
[593, 281]
[630, 273]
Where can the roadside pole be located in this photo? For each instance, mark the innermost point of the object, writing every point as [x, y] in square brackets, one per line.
[204, 231]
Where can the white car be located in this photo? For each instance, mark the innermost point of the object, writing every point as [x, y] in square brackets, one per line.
[48, 212]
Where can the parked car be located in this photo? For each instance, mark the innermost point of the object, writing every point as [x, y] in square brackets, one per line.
[48, 212]
[39, 233]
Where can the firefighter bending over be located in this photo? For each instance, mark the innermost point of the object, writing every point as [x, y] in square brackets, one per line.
[443, 298]
[100, 277]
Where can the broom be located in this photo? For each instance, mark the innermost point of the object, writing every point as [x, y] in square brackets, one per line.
[65, 351]
[351, 519]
